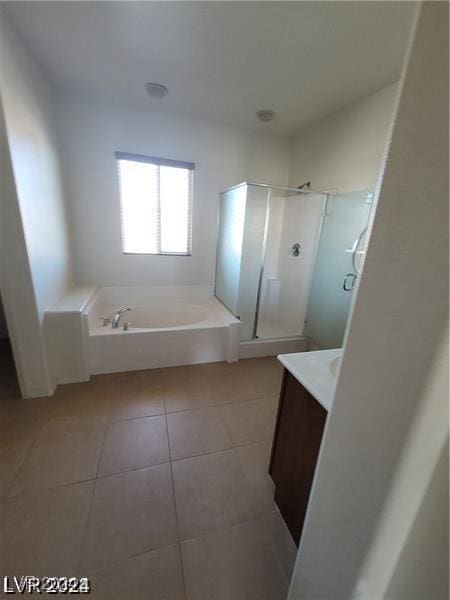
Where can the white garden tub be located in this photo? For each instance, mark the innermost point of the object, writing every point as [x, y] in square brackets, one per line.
[168, 326]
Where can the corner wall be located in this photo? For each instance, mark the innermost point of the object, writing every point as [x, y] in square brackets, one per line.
[399, 319]
[345, 149]
[31, 144]
[17, 286]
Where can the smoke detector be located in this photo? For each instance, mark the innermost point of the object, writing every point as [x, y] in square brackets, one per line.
[266, 115]
[156, 90]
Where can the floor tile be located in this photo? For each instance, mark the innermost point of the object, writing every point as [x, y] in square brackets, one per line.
[188, 394]
[131, 513]
[11, 460]
[281, 539]
[254, 460]
[17, 436]
[156, 575]
[20, 408]
[209, 391]
[202, 371]
[266, 375]
[42, 532]
[211, 493]
[134, 444]
[235, 387]
[135, 401]
[88, 401]
[273, 402]
[195, 432]
[250, 421]
[235, 564]
[65, 451]
[148, 379]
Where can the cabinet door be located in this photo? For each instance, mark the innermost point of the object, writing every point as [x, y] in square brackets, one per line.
[296, 445]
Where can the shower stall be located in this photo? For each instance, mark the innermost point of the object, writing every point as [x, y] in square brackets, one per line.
[284, 260]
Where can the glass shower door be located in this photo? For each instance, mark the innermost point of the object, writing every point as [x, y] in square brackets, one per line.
[334, 276]
[240, 251]
[293, 228]
[229, 247]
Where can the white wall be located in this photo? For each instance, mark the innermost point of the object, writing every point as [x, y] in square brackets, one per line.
[344, 150]
[399, 318]
[415, 514]
[16, 284]
[28, 113]
[91, 131]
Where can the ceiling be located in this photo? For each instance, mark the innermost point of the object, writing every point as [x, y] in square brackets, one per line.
[222, 61]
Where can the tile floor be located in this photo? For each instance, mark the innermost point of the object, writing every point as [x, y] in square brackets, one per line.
[153, 484]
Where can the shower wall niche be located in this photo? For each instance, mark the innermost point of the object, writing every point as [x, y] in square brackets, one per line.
[260, 276]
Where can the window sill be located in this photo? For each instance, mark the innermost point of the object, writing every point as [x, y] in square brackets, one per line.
[156, 254]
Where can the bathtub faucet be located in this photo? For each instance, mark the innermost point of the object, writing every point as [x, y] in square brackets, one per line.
[116, 318]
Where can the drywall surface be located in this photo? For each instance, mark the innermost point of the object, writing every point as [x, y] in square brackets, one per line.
[344, 150]
[16, 283]
[399, 316]
[28, 111]
[415, 515]
[414, 578]
[91, 131]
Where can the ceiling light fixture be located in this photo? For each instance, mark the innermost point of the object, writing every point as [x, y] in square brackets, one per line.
[156, 90]
[265, 116]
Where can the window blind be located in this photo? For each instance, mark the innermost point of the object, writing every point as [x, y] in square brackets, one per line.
[156, 204]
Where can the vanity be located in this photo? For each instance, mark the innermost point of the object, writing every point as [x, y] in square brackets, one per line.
[306, 395]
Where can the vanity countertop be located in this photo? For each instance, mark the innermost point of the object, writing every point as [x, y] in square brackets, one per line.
[314, 371]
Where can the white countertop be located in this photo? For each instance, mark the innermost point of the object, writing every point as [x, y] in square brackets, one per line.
[312, 370]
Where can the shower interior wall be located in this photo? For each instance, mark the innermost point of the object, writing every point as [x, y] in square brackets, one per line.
[293, 218]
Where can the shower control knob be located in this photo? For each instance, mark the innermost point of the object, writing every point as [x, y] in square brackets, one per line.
[295, 249]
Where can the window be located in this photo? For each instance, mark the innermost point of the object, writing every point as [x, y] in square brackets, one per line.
[156, 204]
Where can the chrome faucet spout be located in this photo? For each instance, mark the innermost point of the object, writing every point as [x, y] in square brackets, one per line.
[116, 318]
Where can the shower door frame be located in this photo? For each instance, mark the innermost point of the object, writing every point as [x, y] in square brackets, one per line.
[269, 188]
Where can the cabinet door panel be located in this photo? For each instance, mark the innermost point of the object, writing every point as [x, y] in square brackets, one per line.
[297, 439]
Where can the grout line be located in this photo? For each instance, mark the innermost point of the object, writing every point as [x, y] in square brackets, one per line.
[46, 489]
[175, 502]
[45, 420]
[93, 571]
[270, 541]
[89, 511]
[227, 403]
[105, 476]
[222, 529]
[233, 447]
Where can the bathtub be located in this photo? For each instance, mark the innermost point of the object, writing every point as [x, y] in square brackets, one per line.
[168, 326]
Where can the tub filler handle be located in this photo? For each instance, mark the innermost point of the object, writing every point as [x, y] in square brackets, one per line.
[116, 318]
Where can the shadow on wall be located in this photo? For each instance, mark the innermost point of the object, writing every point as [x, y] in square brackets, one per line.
[3, 326]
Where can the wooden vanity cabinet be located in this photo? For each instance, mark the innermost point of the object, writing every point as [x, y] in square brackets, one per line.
[296, 443]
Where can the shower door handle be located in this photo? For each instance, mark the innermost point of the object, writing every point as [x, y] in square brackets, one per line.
[349, 282]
